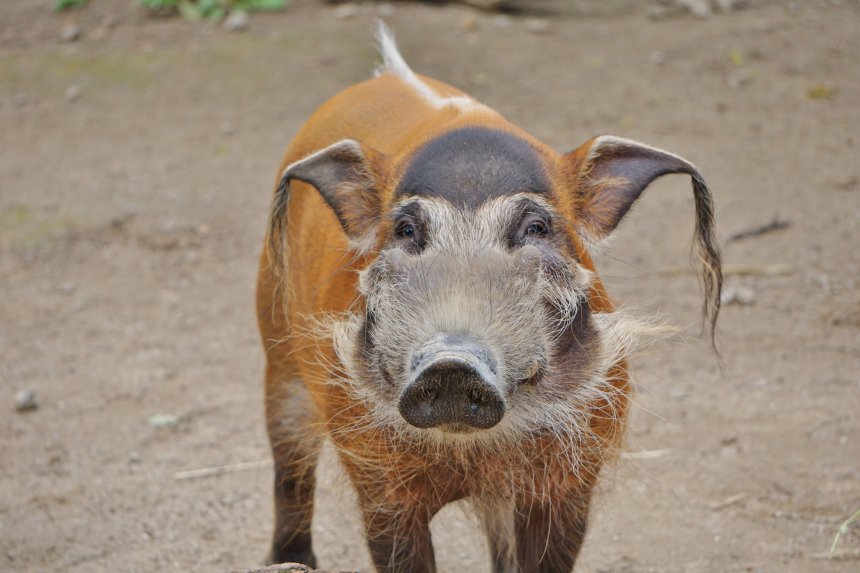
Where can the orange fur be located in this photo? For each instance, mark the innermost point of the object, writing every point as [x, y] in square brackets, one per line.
[402, 482]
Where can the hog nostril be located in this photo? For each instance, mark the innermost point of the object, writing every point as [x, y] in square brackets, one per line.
[476, 398]
[428, 394]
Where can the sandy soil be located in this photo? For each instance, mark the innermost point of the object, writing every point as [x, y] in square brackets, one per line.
[135, 177]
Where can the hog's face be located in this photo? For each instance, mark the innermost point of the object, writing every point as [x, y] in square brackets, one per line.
[476, 307]
[466, 306]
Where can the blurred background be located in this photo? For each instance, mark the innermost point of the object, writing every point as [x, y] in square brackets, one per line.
[140, 141]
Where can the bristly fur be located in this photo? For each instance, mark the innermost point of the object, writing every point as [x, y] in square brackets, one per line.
[566, 421]
[564, 418]
[468, 270]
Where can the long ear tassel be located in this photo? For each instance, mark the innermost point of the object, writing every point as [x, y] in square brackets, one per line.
[277, 229]
[707, 251]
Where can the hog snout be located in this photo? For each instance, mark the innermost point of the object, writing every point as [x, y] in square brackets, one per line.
[453, 384]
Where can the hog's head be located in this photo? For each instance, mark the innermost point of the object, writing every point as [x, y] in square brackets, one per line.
[480, 308]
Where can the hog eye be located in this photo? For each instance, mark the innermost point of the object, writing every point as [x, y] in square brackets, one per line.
[408, 235]
[537, 229]
[533, 225]
[405, 230]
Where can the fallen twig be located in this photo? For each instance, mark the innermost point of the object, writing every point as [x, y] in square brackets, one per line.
[770, 269]
[646, 454]
[824, 423]
[281, 568]
[839, 555]
[222, 469]
[775, 225]
[855, 352]
[731, 500]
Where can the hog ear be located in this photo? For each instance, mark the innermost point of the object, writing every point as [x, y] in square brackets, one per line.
[346, 175]
[610, 173]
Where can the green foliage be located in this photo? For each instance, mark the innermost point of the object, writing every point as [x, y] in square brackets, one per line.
[192, 9]
[157, 5]
[249, 5]
[60, 5]
[208, 9]
[202, 9]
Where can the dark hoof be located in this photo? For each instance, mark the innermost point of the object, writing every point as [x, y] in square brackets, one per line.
[286, 555]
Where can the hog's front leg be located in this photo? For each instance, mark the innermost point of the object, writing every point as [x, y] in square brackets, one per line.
[399, 537]
[294, 504]
[549, 535]
[295, 449]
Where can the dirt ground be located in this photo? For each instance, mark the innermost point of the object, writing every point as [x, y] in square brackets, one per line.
[135, 175]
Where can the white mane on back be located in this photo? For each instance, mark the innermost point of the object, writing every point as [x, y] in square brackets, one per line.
[394, 64]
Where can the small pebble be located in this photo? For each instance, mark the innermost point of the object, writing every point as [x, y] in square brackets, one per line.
[727, 6]
[163, 420]
[487, 5]
[469, 23]
[679, 395]
[73, 92]
[583, 8]
[698, 8]
[658, 12]
[536, 25]
[237, 21]
[822, 281]
[227, 128]
[71, 32]
[99, 33]
[502, 22]
[25, 401]
[657, 57]
[739, 78]
[68, 288]
[135, 457]
[849, 183]
[345, 11]
[739, 295]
